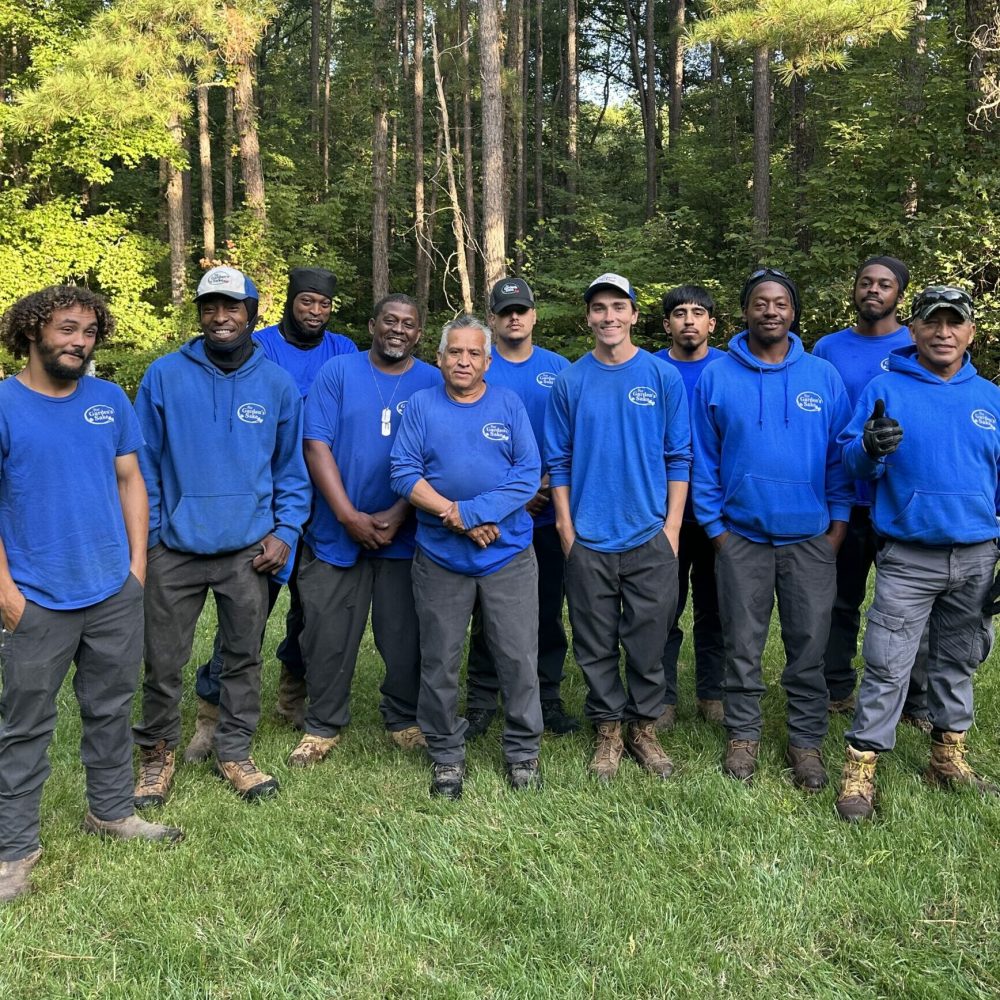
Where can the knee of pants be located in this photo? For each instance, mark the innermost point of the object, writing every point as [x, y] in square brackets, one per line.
[890, 645]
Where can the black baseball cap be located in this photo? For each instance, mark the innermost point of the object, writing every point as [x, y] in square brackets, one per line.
[935, 297]
[509, 292]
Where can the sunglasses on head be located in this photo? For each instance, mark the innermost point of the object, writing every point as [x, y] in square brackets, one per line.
[764, 271]
[931, 295]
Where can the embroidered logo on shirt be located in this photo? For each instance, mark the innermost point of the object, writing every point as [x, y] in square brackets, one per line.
[99, 414]
[401, 405]
[884, 364]
[642, 395]
[811, 402]
[251, 413]
[984, 419]
[496, 432]
[545, 379]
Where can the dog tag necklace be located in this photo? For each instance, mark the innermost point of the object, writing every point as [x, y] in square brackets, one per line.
[387, 408]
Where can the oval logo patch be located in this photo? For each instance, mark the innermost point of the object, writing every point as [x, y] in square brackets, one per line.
[545, 379]
[811, 402]
[496, 432]
[884, 364]
[984, 419]
[251, 413]
[642, 395]
[99, 414]
[401, 405]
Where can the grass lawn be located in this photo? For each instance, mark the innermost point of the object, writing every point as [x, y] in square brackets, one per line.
[353, 883]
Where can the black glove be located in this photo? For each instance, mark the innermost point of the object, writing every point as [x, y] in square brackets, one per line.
[882, 434]
[991, 606]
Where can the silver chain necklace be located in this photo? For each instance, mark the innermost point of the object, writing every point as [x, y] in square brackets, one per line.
[387, 407]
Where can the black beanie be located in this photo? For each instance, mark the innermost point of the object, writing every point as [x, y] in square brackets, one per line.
[311, 279]
[894, 264]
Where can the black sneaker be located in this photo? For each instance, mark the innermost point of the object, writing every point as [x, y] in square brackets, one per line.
[556, 720]
[524, 774]
[479, 720]
[447, 780]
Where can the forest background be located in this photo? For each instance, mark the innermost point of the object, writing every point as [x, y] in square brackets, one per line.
[432, 146]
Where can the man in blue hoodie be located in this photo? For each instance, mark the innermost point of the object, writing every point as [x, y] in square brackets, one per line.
[936, 498]
[860, 353]
[228, 495]
[772, 494]
[465, 457]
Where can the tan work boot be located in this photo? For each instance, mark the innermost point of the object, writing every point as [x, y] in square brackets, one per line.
[948, 766]
[312, 749]
[608, 753]
[667, 719]
[710, 709]
[291, 699]
[200, 747]
[246, 778]
[741, 759]
[130, 828]
[644, 748]
[410, 738]
[15, 877]
[856, 799]
[156, 775]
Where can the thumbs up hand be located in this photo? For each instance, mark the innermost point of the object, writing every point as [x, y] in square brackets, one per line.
[882, 434]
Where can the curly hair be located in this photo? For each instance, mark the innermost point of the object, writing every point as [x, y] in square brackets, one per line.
[24, 320]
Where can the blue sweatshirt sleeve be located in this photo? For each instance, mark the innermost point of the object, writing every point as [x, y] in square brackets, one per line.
[839, 485]
[558, 443]
[517, 487]
[292, 490]
[856, 460]
[406, 462]
[149, 411]
[707, 482]
[677, 447]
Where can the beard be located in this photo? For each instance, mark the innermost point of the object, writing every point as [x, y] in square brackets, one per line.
[56, 369]
[872, 312]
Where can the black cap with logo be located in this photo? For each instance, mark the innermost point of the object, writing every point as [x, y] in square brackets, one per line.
[509, 292]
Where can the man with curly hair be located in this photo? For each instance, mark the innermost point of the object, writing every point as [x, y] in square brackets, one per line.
[72, 567]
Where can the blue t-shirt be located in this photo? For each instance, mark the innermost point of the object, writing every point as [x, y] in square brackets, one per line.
[616, 435]
[302, 365]
[483, 455]
[61, 518]
[690, 372]
[344, 412]
[859, 359]
[532, 380]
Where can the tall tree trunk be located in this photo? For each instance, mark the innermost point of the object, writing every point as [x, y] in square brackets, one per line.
[468, 168]
[521, 150]
[651, 114]
[246, 129]
[715, 75]
[538, 135]
[420, 216]
[914, 79]
[315, 32]
[175, 219]
[227, 168]
[512, 105]
[186, 186]
[638, 77]
[494, 214]
[457, 224]
[676, 85]
[380, 150]
[433, 201]
[326, 95]
[205, 161]
[761, 143]
[572, 103]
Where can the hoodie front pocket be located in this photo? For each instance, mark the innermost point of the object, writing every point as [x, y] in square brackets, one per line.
[218, 522]
[777, 508]
[933, 517]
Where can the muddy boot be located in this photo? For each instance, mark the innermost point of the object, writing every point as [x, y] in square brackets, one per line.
[15, 877]
[644, 748]
[410, 738]
[156, 775]
[741, 759]
[312, 749]
[948, 767]
[200, 747]
[711, 710]
[808, 772]
[246, 778]
[130, 828]
[667, 719]
[856, 799]
[291, 699]
[608, 752]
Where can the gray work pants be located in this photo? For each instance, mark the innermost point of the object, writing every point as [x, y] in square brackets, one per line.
[508, 599]
[804, 576]
[627, 598]
[177, 584]
[335, 605]
[105, 643]
[916, 586]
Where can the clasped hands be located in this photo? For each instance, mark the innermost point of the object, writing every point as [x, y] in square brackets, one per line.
[481, 534]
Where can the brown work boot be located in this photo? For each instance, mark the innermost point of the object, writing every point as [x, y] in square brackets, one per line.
[291, 704]
[247, 779]
[608, 752]
[841, 706]
[312, 749]
[156, 775]
[667, 719]
[918, 722]
[15, 877]
[410, 738]
[710, 709]
[130, 828]
[948, 767]
[808, 772]
[644, 748]
[856, 799]
[200, 747]
[741, 759]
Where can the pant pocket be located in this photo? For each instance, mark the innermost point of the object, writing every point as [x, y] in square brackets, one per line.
[882, 638]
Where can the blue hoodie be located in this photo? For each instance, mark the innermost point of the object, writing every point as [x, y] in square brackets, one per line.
[942, 485]
[766, 460]
[223, 459]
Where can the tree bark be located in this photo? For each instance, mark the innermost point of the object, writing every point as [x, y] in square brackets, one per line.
[315, 31]
[380, 150]
[186, 185]
[761, 143]
[420, 216]
[326, 95]
[227, 168]
[914, 79]
[205, 161]
[175, 219]
[246, 130]
[539, 133]
[572, 102]
[494, 234]
[468, 167]
[513, 84]
[651, 114]
[676, 84]
[521, 150]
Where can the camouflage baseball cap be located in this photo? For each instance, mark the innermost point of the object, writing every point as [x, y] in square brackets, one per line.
[935, 297]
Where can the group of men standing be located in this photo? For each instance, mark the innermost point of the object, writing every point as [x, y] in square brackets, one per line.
[373, 484]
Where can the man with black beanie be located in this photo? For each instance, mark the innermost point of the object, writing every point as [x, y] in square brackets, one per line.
[859, 353]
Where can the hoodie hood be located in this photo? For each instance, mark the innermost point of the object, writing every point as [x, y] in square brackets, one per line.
[905, 360]
[739, 350]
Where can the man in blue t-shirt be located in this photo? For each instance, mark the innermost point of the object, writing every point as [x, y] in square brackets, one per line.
[860, 353]
[618, 450]
[688, 319]
[300, 343]
[73, 516]
[358, 547]
[926, 435]
[529, 370]
[228, 495]
[466, 458]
